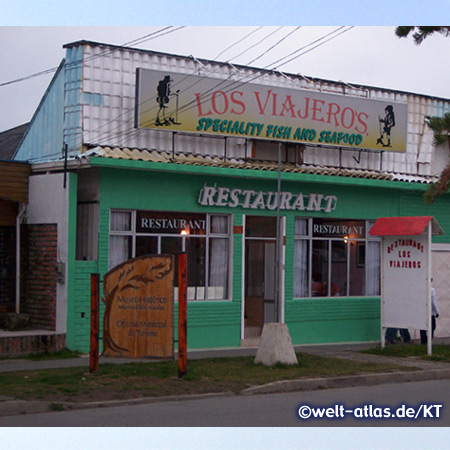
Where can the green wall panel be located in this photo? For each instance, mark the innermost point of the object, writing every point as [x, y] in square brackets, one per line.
[413, 205]
[71, 341]
[330, 320]
[79, 313]
[172, 187]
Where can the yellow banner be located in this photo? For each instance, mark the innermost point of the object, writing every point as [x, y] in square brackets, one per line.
[206, 105]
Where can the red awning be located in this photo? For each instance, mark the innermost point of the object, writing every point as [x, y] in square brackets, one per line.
[404, 226]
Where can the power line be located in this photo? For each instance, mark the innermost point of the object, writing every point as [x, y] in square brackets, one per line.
[235, 84]
[318, 45]
[273, 46]
[240, 82]
[257, 43]
[238, 42]
[74, 63]
[208, 74]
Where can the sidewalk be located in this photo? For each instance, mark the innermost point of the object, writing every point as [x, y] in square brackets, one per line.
[426, 370]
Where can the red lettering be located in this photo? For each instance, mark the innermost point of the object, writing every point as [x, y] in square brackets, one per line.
[352, 117]
[361, 117]
[214, 104]
[333, 111]
[274, 105]
[316, 109]
[262, 109]
[237, 102]
[288, 106]
[299, 112]
[199, 107]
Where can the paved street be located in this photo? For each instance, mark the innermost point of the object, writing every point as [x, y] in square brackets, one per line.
[274, 410]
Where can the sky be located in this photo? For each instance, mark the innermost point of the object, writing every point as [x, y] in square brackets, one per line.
[236, 12]
[368, 55]
[32, 35]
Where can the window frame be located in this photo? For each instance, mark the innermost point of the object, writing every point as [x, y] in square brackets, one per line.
[208, 236]
[309, 237]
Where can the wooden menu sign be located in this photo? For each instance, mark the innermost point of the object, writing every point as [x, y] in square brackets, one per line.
[138, 319]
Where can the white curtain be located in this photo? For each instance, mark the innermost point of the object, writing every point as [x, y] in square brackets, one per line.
[218, 259]
[301, 278]
[119, 246]
[301, 227]
[119, 250]
[301, 269]
[219, 224]
[373, 268]
[218, 269]
[120, 221]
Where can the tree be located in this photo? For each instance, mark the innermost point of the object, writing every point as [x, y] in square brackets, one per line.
[441, 132]
[421, 33]
[439, 125]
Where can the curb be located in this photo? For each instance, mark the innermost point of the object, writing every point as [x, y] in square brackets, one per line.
[311, 384]
[18, 407]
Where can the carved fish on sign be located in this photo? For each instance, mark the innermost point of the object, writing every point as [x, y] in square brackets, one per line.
[138, 319]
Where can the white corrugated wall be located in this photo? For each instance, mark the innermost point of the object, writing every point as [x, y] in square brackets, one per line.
[109, 77]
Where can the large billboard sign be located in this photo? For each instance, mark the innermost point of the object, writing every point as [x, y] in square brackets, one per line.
[206, 105]
[138, 319]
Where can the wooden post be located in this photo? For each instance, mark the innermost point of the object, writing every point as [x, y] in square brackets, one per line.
[182, 314]
[95, 322]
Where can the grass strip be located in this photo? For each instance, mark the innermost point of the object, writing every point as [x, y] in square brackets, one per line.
[122, 381]
[440, 352]
[65, 353]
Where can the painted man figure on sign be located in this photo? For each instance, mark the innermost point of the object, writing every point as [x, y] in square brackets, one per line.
[389, 121]
[163, 98]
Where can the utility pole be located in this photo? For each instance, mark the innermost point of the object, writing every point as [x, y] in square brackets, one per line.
[278, 243]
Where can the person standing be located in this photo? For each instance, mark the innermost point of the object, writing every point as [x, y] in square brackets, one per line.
[434, 316]
[391, 335]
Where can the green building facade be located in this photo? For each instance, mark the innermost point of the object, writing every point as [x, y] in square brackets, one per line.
[330, 317]
[135, 172]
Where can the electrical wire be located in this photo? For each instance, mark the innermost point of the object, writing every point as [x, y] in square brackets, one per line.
[257, 43]
[238, 83]
[242, 81]
[236, 43]
[74, 63]
[206, 75]
[273, 46]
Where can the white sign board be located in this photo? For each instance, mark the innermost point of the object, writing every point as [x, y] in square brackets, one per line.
[405, 281]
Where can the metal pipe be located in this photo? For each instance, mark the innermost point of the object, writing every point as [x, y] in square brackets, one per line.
[278, 243]
[182, 314]
[95, 323]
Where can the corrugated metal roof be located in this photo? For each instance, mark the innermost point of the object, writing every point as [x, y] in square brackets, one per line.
[342, 87]
[10, 140]
[249, 164]
[108, 109]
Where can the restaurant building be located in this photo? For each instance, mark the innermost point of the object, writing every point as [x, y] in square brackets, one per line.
[136, 152]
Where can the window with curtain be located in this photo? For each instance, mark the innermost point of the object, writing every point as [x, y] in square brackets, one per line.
[204, 237]
[335, 257]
